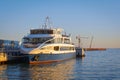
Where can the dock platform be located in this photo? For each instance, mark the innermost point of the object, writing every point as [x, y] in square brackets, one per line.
[80, 52]
[11, 56]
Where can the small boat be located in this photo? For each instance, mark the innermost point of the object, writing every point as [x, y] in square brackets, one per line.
[47, 44]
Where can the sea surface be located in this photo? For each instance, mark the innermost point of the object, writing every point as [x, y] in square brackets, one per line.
[96, 65]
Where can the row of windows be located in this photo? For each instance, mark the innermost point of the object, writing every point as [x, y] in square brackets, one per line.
[35, 40]
[66, 48]
[63, 48]
[41, 40]
[58, 48]
[41, 31]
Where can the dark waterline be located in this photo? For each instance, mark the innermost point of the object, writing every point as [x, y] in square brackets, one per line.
[96, 65]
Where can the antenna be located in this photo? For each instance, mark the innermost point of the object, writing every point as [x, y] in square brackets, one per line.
[47, 23]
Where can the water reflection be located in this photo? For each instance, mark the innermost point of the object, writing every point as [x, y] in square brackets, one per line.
[96, 65]
[55, 71]
[2, 72]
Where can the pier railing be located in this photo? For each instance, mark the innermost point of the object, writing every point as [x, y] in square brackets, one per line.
[9, 50]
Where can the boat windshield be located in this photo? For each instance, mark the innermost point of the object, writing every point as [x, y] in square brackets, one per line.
[35, 40]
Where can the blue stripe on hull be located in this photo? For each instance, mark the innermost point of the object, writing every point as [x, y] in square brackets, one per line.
[50, 57]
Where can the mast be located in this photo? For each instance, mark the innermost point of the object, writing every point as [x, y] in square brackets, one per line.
[47, 23]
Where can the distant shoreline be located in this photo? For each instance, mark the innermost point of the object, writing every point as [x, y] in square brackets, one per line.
[94, 49]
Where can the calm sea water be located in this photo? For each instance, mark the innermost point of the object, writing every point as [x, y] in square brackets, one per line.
[96, 65]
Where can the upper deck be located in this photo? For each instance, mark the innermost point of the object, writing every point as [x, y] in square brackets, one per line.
[45, 31]
[41, 31]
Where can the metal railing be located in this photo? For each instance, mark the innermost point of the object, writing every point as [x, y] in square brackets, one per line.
[9, 49]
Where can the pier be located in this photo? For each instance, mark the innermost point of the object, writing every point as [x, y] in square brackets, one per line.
[11, 56]
[80, 52]
[9, 51]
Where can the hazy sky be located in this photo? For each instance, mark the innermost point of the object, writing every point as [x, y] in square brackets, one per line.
[97, 18]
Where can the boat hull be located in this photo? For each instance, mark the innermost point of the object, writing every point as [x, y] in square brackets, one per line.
[49, 58]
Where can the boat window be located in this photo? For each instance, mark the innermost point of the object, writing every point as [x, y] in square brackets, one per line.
[56, 48]
[58, 40]
[71, 48]
[67, 41]
[26, 40]
[65, 48]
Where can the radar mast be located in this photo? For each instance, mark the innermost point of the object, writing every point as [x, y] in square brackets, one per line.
[47, 23]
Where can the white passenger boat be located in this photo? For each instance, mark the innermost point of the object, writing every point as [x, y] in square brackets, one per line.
[46, 45]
